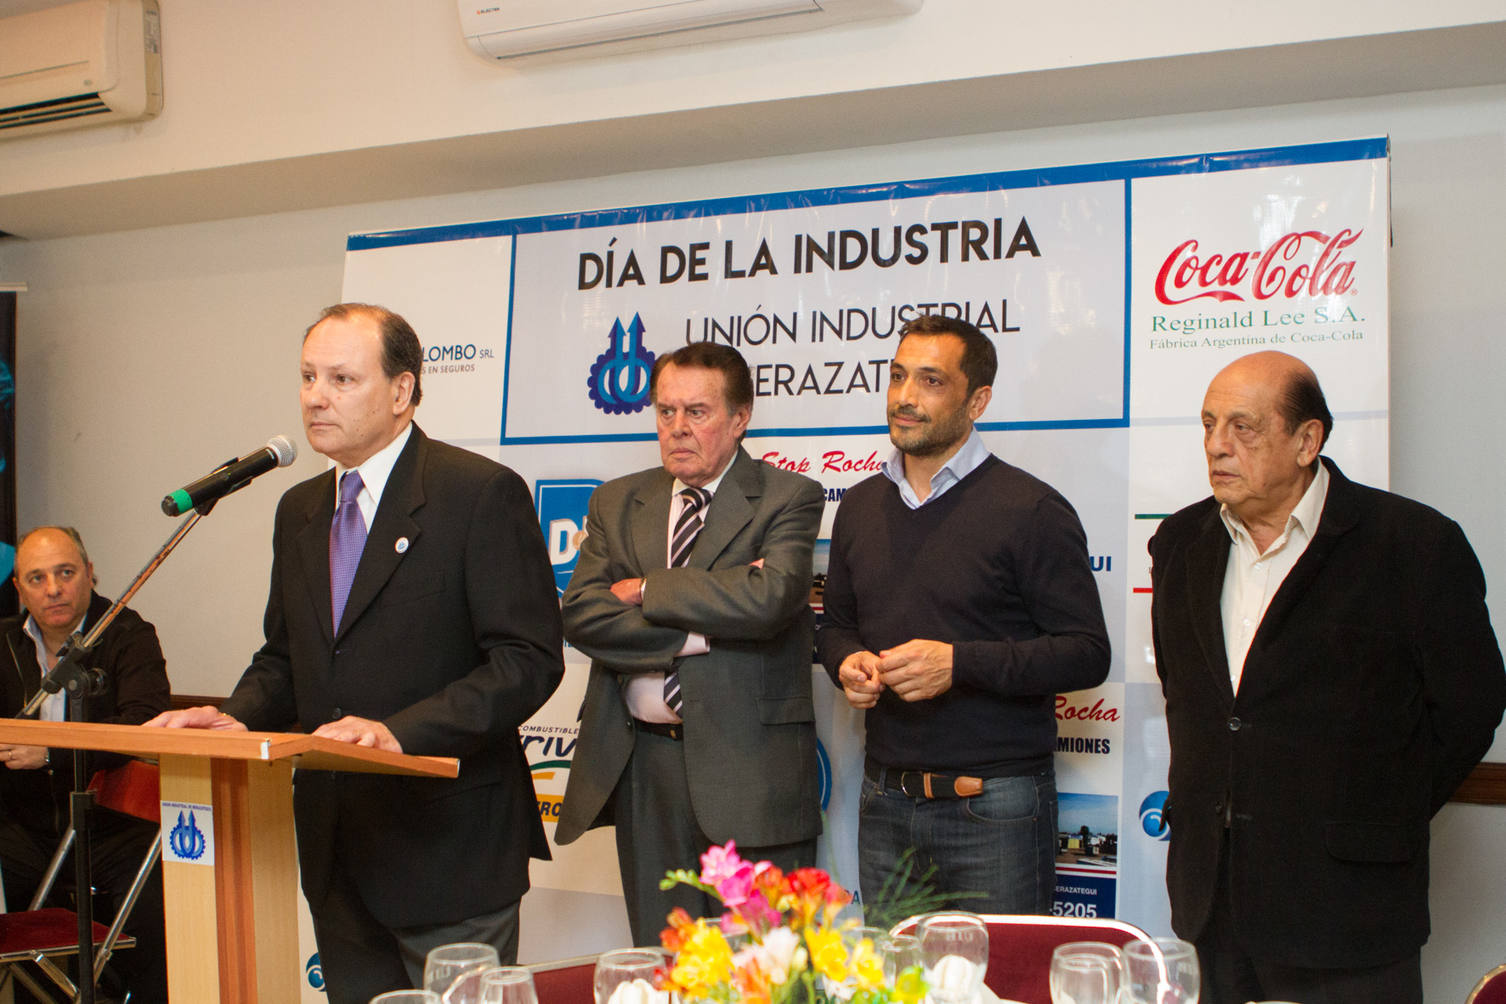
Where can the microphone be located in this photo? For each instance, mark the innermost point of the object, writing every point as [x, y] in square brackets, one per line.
[230, 476]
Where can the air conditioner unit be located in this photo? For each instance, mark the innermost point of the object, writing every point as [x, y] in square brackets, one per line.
[503, 29]
[81, 64]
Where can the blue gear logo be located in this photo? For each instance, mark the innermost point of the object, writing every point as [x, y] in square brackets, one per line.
[618, 383]
[187, 840]
[1151, 816]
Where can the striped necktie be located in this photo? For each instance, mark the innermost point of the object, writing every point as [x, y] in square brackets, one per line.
[687, 528]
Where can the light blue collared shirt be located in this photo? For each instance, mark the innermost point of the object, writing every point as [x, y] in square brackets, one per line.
[962, 463]
[54, 706]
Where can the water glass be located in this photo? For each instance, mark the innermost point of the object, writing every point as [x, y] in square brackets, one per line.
[508, 985]
[1112, 956]
[626, 976]
[1083, 979]
[954, 951]
[448, 963]
[406, 997]
[904, 952]
[1162, 971]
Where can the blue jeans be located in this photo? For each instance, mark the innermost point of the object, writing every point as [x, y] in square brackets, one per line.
[1001, 843]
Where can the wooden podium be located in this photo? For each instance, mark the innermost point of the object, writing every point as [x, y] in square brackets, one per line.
[232, 930]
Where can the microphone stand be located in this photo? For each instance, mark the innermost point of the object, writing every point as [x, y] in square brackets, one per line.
[71, 674]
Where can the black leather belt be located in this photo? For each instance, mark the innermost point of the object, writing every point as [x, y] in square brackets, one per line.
[924, 784]
[669, 730]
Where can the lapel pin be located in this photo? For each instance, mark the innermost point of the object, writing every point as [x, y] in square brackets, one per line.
[401, 547]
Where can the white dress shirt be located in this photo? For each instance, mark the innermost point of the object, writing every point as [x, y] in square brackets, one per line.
[1252, 578]
[644, 692]
[375, 471]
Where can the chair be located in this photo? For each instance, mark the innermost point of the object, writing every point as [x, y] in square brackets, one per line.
[1020, 947]
[1491, 989]
[39, 935]
[568, 981]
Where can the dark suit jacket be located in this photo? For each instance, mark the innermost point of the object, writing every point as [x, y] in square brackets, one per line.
[750, 732]
[452, 642]
[1372, 685]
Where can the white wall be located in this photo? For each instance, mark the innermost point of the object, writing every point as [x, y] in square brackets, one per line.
[147, 356]
[352, 74]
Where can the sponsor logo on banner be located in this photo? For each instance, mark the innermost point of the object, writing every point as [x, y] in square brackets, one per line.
[561, 505]
[619, 380]
[1152, 818]
[823, 767]
[314, 972]
[549, 750]
[458, 358]
[1087, 854]
[1301, 263]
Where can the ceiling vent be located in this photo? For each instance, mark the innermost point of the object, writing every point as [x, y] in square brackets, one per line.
[86, 63]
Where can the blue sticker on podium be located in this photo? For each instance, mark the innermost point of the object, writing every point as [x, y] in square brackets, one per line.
[188, 833]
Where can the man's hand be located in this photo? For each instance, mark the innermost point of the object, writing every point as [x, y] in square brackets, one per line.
[629, 591]
[361, 732]
[859, 675]
[918, 670]
[203, 717]
[23, 757]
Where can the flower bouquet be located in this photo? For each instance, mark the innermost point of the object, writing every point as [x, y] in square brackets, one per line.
[777, 935]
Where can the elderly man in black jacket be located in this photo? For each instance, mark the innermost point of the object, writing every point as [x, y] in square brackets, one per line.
[1331, 676]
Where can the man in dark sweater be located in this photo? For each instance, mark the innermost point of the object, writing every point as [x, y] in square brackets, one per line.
[959, 602]
[55, 579]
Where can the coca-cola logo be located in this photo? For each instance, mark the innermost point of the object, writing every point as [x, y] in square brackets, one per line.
[1301, 263]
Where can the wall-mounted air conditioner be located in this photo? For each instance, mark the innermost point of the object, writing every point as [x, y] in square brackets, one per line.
[81, 64]
[503, 29]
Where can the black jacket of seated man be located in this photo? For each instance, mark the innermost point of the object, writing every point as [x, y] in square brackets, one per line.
[34, 803]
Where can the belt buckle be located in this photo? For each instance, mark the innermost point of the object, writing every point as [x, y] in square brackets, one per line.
[904, 783]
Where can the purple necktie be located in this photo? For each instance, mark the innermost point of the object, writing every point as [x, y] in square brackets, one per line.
[687, 528]
[347, 537]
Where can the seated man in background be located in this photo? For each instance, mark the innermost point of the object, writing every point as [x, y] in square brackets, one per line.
[55, 581]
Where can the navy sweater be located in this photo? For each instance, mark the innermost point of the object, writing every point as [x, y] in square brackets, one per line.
[998, 567]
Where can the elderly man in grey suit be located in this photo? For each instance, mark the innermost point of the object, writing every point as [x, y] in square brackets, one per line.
[691, 598]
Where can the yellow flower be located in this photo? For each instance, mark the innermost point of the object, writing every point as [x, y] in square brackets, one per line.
[828, 957]
[703, 961]
[867, 967]
[909, 986]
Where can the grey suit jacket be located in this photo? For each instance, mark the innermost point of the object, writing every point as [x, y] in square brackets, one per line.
[750, 734]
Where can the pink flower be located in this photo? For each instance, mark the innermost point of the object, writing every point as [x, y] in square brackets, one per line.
[728, 874]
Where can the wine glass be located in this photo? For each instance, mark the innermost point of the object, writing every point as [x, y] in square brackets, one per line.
[1161, 971]
[1111, 954]
[954, 951]
[508, 985]
[1083, 979]
[445, 965]
[406, 997]
[626, 976]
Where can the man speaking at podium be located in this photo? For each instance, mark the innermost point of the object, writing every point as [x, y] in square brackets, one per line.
[412, 609]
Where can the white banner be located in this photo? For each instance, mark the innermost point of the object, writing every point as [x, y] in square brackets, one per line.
[1114, 292]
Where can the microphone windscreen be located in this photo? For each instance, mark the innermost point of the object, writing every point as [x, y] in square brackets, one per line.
[282, 447]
